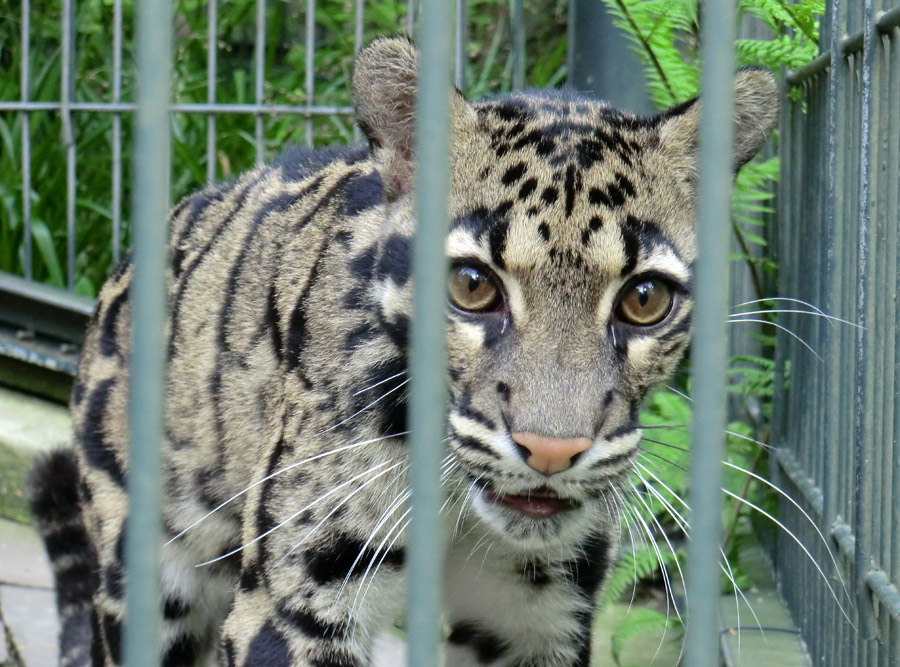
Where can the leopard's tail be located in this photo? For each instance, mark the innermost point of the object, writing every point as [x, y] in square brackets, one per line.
[56, 507]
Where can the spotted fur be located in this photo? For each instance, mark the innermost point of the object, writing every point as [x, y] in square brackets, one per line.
[289, 296]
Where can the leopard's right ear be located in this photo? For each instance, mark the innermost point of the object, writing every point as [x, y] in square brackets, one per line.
[384, 95]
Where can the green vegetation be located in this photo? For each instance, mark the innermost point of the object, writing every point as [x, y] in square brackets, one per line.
[666, 38]
[488, 69]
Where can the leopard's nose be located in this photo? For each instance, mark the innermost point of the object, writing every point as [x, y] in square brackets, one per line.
[550, 455]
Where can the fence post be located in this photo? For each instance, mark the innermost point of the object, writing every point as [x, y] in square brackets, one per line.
[148, 299]
[710, 346]
[427, 403]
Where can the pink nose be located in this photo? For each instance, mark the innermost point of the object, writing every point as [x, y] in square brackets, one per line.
[550, 455]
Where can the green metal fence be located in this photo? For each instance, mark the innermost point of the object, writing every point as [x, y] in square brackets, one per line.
[837, 416]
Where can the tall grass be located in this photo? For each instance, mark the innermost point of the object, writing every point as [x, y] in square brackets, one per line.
[488, 69]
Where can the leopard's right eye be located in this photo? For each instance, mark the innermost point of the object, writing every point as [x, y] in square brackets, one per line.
[473, 289]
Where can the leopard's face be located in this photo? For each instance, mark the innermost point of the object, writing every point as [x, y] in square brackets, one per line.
[569, 297]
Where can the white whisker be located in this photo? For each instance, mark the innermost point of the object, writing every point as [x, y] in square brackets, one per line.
[330, 452]
[782, 328]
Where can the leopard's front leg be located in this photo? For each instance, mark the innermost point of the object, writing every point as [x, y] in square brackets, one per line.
[323, 581]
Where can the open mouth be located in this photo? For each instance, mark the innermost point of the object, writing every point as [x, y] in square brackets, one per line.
[541, 503]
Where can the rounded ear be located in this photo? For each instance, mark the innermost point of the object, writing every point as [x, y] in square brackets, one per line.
[755, 116]
[384, 96]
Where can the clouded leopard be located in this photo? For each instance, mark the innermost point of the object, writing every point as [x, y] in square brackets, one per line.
[289, 290]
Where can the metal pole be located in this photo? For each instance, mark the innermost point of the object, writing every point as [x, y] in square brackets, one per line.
[145, 415]
[710, 347]
[428, 367]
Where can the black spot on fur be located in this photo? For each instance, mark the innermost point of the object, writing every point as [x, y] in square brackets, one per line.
[572, 185]
[109, 347]
[174, 607]
[497, 242]
[504, 391]
[549, 195]
[184, 281]
[598, 198]
[268, 648]
[468, 442]
[264, 520]
[362, 193]
[184, 651]
[298, 163]
[296, 333]
[311, 625]
[98, 453]
[395, 262]
[359, 337]
[544, 230]
[487, 646]
[334, 660]
[198, 204]
[589, 570]
[361, 267]
[588, 152]
[112, 632]
[113, 581]
[625, 185]
[527, 188]
[594, 225]
[536, 574]
[331, 563]
[513, 174]
[545, 147]
[271, 324]
[250, 578]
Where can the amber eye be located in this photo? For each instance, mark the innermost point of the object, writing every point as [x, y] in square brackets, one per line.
[645, 303]
[473, 289]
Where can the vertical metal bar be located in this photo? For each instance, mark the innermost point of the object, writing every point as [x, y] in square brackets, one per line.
[66, 88]
[893, 206]
[25, 78]
[310, 66]
[117, 134]
[411, 18]
[517, 20]
[260, 75]
[358, 27]
[710, 346]
[427, 389]
[462, 38]
[862, 424]
[212, 31]
[148, 361]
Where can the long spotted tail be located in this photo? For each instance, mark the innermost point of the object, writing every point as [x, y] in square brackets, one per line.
[56, 508]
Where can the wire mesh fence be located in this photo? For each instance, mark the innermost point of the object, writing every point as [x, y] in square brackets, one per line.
[836, 407]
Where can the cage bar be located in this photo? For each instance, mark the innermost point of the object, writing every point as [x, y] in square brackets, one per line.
[428, 366]
[25, 83]
[117, 134]
[310, 67]
[710, 345]
[148, 359]
[212, 50]
[260, 58]
[66, 90]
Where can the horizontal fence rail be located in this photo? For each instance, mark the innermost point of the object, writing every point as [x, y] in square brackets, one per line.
[836, 423]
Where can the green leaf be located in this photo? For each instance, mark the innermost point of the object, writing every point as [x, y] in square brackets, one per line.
[640, 622]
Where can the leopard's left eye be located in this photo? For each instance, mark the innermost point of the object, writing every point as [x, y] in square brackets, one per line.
[645, 302]
[473, 289]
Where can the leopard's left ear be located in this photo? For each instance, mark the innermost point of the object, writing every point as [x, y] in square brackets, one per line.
[384, 95]
[755, 116]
